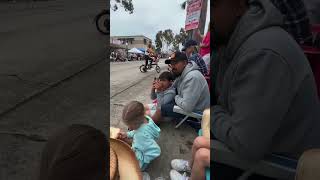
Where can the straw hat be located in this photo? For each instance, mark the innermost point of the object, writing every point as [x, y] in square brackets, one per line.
[123, 162]
[113, 165]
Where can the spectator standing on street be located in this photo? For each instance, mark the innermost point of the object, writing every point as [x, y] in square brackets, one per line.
[205, 47]
[190, 50]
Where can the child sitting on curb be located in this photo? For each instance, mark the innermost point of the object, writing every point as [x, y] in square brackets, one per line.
[144, 133]
[162, 91]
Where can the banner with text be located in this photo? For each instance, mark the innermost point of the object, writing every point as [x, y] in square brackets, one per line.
[193, 14]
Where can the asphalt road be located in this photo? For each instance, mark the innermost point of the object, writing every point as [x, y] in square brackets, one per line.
[53, 73]
[44, 42]
[127, 84]
[23, 132]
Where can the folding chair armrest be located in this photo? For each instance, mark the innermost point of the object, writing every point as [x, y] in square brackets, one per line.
[179, 110]
[269, 167]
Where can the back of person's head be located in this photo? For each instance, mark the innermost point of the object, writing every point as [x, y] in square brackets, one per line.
[166, 76]
[133, 112]
[78, 152]
[309, 165]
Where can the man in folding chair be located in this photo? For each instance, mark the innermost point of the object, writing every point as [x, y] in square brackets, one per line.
[264, 88]
[192, 89]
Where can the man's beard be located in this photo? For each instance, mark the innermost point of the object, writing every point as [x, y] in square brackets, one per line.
[176, 74]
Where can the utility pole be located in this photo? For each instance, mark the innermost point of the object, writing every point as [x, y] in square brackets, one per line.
[202, 23]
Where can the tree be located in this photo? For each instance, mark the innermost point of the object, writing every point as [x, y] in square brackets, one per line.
[169, 38]
[158, 41]
[126, 4]
[176, 42]
[179, 39]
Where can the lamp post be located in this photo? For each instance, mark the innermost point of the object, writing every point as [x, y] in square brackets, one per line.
[127, 51]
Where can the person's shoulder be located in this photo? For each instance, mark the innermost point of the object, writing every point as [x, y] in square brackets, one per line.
[194, 75]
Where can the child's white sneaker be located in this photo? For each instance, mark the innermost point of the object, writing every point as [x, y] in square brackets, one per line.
[180, 165]
[175, 175]
[145, 176]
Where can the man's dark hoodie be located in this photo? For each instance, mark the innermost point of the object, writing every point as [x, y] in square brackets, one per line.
[267, 95]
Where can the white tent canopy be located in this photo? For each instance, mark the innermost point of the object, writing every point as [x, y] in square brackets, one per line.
[135, 50]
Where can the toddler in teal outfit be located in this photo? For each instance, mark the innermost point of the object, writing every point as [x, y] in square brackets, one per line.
[143, 133]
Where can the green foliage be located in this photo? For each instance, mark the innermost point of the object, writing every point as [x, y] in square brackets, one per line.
[169, 38]
[158, 41]
[126, 4]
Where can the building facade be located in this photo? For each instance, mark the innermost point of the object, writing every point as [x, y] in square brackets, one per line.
[138, 41]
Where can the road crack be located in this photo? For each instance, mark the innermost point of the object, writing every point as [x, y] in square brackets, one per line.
[132, 85]
[31, 137]
[24, 80]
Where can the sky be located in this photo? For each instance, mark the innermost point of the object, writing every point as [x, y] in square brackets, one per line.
[149, 17]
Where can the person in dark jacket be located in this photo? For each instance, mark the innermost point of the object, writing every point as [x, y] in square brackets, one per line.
[264, 89]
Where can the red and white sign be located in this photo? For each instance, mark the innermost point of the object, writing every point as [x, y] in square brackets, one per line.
[193, 14]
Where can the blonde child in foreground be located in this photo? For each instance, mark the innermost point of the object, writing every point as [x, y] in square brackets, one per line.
[143, 133]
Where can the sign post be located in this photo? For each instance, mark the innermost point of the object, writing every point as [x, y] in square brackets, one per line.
[196, 18]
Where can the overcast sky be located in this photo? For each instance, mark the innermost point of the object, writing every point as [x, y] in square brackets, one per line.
[149, 17]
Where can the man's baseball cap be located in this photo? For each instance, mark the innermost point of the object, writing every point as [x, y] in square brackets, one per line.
[176, 57]
[189, 43]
